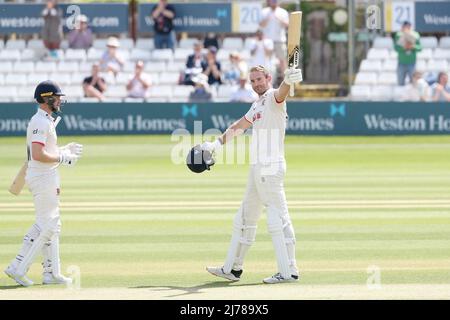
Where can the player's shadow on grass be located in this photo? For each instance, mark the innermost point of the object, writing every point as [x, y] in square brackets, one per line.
[13, 286]
[196, 289]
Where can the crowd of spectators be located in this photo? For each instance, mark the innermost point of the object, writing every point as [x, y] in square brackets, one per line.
[204, 72]
[434, 88]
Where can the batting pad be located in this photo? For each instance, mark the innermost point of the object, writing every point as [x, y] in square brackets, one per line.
[47, 232]
[242, 238]
[275, 227]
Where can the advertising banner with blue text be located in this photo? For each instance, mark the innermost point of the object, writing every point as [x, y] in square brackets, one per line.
[27, 19]
[191, 17]
[305, 118]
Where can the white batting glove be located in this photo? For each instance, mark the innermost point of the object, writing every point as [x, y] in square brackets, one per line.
[67, 158]
[74, 148]
[292, 76]
[211, 146]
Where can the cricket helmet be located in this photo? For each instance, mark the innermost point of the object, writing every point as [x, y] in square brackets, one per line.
[47, 88]
[199, 160]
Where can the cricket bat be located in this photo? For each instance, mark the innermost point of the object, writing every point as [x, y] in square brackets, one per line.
[293, 48]
[19, 181]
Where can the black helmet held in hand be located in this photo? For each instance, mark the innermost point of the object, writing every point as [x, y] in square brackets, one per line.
[199, 160]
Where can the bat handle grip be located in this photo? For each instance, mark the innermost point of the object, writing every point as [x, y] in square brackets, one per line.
[292, 87]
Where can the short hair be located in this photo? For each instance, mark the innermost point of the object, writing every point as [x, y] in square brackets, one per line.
[260, 68]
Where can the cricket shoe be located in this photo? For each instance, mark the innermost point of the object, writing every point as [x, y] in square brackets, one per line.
[49, 278]
[278, 278]
[234, 275]
[22, 280]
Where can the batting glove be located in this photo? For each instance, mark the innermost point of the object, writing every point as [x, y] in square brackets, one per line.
[211, 146]
[292, 76]
[74, 148]
[67, 158]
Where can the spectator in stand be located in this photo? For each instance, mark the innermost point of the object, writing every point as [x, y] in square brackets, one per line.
[274, 24]
[139, 83]
[244, 93]
[111, 60]
[94, 85]
[211, 67]
[194, 63]
[441, 89]
[418, 89]
[236, 68]
[211, 40]
[407, 44]
[163, 15]
[201, 91]
[81, 37]
[52, 33]
[261, 51]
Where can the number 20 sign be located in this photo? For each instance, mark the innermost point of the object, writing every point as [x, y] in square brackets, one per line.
[246, 16]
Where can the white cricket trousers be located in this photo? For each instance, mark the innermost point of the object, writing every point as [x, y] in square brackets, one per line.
[45, 190]
[265, 188]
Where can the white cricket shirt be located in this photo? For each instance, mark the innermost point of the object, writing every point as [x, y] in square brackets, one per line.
[269, 119]
[41, 129]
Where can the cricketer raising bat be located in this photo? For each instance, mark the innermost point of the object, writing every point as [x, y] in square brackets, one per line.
[293, 48]
[19, 181]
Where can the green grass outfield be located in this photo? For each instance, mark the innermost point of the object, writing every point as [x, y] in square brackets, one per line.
[136, 225]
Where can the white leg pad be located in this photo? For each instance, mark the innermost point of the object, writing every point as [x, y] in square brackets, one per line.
[275, 227]
[242, 238]
[47, 232]
[28, 240]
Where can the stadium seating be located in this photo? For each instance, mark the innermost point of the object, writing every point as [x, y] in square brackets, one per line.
[75, 54]
[383, 42]
[94, 54]
[10, 55]
[387, 78]
[145, 44]
[444, 43]
[35, 44]
[140, 54]
[233, 43]
[23, 67]
[181, 92]
[429, 42]
[370, 65]
[381, 92]
[187, 43]
[19, 44]
[377, 73]
[360, 92]
[366, 78]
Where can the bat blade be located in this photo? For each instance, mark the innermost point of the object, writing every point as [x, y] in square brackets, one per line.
[294, 35]
[19, 181]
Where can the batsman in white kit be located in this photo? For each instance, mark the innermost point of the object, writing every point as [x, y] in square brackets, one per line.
[42, 179]
[268, 117]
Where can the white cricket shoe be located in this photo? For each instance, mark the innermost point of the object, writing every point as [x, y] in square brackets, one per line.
[278, 278]
[218, 271]
[49, 278]
[22, 280]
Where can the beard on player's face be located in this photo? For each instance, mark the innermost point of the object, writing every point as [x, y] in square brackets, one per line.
[260, 82]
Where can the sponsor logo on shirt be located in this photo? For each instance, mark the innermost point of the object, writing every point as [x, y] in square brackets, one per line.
[257, 116]
[37, 131]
